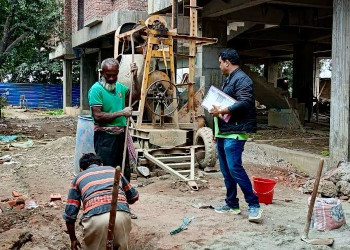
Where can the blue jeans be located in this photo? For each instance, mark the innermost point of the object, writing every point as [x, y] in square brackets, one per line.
[230, 157]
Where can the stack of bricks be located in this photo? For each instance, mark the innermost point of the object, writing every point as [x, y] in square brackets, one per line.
[18, 201]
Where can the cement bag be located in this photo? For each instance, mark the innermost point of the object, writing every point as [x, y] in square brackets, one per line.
[327, 214]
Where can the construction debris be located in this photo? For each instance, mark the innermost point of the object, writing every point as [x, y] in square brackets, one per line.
[55, 197]
[335, 183]
[202, 206]
[183, 226]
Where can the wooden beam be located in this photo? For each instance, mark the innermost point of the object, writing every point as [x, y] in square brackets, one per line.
[327, 4]
[219, 7]
[192, 52]
[192, 164]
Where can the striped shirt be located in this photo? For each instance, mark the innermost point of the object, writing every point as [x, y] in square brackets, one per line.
[93, 188]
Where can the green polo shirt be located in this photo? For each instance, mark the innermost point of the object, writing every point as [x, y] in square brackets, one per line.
[110, 101]
[243, 136]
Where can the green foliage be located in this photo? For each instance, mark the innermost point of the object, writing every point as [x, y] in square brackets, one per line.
[287, 71]
[55, 112]
[325, 153]
[26, 27]
[257, 68]
[35, 67]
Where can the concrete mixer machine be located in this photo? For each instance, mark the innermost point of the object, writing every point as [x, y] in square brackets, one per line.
[168, 126]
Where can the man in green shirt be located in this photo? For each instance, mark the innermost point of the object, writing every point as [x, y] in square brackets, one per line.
[107, 99]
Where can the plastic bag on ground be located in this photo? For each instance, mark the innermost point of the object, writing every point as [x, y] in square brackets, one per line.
[327, 214]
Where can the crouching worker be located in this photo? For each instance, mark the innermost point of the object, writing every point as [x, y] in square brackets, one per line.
[93, 188]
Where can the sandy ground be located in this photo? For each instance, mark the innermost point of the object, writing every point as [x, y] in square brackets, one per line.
[48, 168]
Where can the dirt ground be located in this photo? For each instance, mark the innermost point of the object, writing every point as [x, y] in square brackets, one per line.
[315, 140]
[47, 167]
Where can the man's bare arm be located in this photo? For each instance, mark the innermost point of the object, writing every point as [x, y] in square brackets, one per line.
[102, 117]
[75, 244]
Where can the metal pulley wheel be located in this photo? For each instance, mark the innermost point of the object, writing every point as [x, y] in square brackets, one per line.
[162, 98]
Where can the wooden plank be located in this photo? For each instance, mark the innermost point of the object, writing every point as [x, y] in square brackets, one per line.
[160, 54]
[164, 166]
[144, 84]
[130, 32]
[179, 165]
[157, 126]
[201, 40]
[192, 164]
[175, 118]
[173, 159]
[184, 171]
[192, 52]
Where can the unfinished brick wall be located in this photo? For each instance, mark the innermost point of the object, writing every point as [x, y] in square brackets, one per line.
[74, 15]
[67, 12]
[101, 8]
[140, 5]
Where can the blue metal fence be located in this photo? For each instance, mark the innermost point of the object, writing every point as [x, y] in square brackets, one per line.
[39, 95]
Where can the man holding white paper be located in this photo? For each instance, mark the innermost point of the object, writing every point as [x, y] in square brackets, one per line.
[231, 135]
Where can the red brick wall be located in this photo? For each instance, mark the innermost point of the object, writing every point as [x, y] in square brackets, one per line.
[101, 8]
[67, 12]
[74, 15]
[140, 5]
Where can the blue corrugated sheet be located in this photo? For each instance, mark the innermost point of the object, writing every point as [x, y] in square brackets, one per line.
[39, 95]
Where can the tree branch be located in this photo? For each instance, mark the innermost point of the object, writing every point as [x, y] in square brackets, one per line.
[6, 32]
[11, 46]
[14, 43]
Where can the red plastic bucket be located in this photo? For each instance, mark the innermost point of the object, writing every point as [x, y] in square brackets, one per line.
[264, 189]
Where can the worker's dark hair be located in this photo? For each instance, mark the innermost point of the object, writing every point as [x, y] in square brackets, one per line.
[231, 55]
[88, 159]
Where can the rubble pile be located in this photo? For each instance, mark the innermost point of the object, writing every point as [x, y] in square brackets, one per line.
[335, 183]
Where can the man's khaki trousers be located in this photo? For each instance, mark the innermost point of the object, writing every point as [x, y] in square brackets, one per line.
[95, 231]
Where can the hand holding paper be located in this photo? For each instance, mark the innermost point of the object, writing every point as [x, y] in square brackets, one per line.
[215, 111]
[217, 101]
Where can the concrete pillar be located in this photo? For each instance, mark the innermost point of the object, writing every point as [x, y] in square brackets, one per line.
[273, 73]
[207, 63]
[340, 105]
[303, 62]
[208, 56]
[67, 83]
[317, 77]
[88, 76]
[266, 70]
